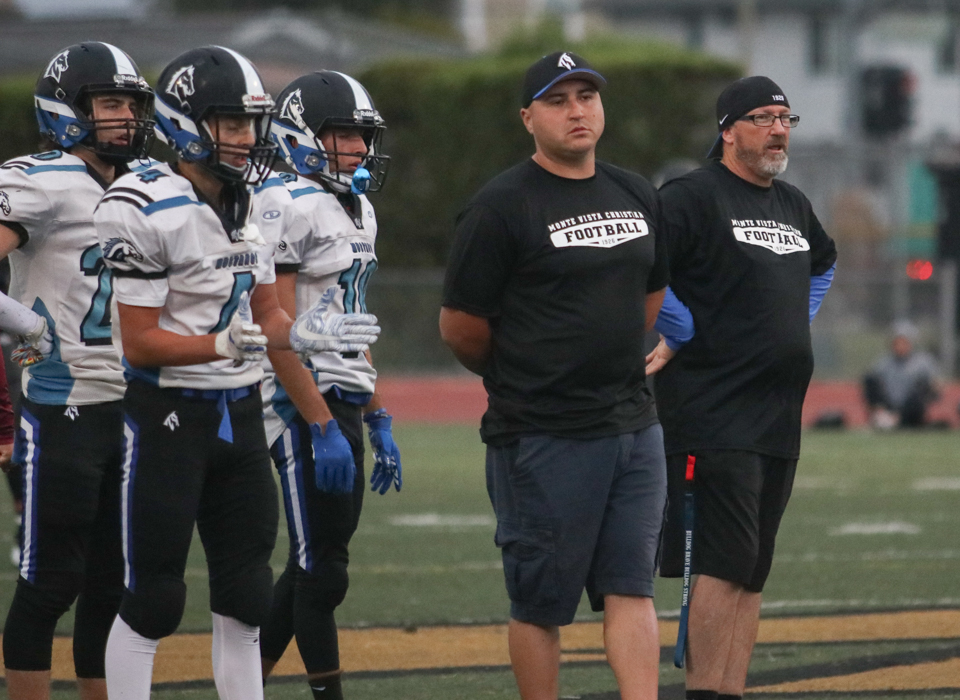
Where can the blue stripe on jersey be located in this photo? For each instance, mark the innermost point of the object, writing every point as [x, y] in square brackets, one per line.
[150, 375]
[131, 453]
[63, 168]
[305, 190]
[270, 182]
[49, 382]
[28, 436]
[171, 203]
[290, 466]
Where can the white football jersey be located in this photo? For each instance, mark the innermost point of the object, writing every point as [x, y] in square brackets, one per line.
[58, 272]
[338, 251]
[170, 250]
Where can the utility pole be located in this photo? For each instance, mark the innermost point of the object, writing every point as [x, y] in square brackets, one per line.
[747, 27]
[473, 25]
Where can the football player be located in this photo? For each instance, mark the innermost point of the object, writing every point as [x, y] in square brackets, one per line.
[93, 108]
[191, 246]
[330, 134]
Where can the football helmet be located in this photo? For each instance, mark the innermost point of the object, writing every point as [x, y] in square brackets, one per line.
[325, 100]
[210, 82]
[63, 100]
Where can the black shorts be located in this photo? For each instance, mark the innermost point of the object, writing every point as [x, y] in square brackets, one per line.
[320, 524]
[575, 514]
[739, 499]
[179, 470]
[71, 459]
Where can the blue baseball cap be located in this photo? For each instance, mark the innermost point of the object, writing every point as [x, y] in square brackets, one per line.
[550, 70]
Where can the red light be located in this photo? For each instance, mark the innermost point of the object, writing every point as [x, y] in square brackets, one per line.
[919, 269]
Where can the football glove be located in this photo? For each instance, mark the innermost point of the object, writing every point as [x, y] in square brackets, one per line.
[333, 467]
[386, 454]
[35, 346]
[242, 341]
[319, 330]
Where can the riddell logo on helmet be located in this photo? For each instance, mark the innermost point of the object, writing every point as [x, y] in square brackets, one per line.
[260, 100]
[181, 85]
[58, 66]
[363, 115]
[127, 80]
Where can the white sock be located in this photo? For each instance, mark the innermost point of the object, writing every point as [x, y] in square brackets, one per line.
[129, 662]
[236, 659]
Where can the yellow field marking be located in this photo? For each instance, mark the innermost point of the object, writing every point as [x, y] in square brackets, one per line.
[186, 657]
[935, 674]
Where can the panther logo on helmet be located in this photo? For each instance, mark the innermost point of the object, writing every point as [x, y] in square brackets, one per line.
[119, 249]
[292, 109]
[58, 66]
[181, 85]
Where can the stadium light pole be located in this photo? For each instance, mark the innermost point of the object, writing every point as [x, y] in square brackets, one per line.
[948, 316]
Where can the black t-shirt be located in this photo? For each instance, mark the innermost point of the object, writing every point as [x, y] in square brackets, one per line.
[741, 258]
[561, 268]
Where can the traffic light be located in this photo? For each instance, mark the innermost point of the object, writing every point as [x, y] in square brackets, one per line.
[885, 99]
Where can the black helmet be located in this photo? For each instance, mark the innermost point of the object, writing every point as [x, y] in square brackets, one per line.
[324, 100]
[207, 82]
[64, 108]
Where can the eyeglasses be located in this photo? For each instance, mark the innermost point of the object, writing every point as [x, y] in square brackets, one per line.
[788, 120]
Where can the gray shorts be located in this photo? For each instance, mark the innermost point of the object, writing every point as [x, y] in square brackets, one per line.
[574, 514]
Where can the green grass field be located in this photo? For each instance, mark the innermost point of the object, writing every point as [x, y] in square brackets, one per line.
[872, 526]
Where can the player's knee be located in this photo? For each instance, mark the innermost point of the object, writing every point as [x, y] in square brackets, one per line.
[155, 607]
[95, 612]
[326, 589]
[247, 598]
[32, 620]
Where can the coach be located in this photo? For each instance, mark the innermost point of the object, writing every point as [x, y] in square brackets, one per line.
[556, 271]
[749, 265]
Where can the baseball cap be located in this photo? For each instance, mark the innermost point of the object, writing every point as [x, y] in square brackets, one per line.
[550, 70]
[740, 97]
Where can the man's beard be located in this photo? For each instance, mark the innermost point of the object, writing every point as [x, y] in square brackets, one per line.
[763, 163]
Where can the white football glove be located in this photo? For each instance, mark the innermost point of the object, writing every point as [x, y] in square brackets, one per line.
[318, 330]
[35, 346]
[242, 341]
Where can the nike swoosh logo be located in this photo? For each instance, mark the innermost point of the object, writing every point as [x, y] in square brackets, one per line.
[724, 119]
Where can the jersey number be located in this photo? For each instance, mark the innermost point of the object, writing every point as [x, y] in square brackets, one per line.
[354, 283]
[95, 329]
[242, 282]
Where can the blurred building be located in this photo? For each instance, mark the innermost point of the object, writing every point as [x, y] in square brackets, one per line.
[283, 45]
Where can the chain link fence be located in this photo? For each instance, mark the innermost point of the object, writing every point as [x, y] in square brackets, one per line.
[851, 331]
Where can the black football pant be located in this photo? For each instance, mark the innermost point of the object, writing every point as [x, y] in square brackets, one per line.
[180, 471]
[320, 524]
[70, 542]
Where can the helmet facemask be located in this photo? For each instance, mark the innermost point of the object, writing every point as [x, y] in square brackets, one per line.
[258, 157]
[369, 174]
[139, 129]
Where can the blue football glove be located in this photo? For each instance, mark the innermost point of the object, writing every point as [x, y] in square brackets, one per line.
[386, 454]
[333, 467]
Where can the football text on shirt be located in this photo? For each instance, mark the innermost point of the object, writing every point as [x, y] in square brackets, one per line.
[599, 229]
[782, 239]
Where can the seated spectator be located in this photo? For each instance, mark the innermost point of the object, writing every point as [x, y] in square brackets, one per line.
[901, 385]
